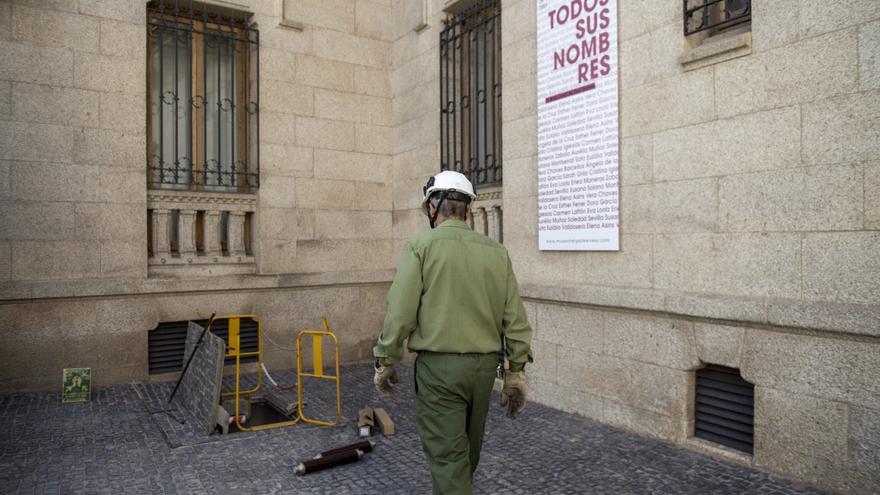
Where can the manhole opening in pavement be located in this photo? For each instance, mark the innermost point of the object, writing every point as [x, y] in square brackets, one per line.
[256, 413]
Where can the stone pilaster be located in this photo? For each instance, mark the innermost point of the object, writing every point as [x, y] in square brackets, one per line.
[186, 225]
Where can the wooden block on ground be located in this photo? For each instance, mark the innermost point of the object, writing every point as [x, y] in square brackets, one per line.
[365, 420]
[383, 420]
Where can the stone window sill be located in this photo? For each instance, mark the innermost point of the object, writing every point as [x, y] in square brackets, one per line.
[718, 451]
[456, 6]
[715, 49]
[287, 22]
[290, 24]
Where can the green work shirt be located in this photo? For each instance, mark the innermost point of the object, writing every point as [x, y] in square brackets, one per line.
[454, 291]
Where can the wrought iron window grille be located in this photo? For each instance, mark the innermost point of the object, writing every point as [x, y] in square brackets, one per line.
[203, 98]
[703, 15]
[470, 93]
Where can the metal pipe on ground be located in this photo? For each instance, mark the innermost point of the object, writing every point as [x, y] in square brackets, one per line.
[333, 460]
[364, 446]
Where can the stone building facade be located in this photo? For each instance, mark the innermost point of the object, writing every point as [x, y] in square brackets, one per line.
[750, 208]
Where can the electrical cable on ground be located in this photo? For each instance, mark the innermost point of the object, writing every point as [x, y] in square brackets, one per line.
[268, 376]
[281, 347]
[277, 345]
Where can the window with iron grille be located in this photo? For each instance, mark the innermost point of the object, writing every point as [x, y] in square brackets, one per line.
[725, 408]
[470, 93]
[703, 15]
[203, 98]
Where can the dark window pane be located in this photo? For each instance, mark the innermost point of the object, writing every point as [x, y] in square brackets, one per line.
[470, 93]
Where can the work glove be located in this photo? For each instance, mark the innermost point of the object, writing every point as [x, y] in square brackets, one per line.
[384, 377]
[513, 393]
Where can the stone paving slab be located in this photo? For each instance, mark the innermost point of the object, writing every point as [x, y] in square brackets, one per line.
[115, 445]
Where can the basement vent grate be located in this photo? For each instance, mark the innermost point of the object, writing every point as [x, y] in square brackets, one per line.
[166, 343]
[725, 408]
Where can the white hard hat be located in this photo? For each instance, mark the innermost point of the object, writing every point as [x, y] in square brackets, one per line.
[447, 180]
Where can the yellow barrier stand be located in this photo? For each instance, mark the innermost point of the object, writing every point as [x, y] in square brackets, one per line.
[318, 369]
[234, 350]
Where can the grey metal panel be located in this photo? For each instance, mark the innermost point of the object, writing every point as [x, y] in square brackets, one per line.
[200, 385]
[166, 343]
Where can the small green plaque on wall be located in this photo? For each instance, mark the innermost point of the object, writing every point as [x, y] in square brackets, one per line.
[77, 385]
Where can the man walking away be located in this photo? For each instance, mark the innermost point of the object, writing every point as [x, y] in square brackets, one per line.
[455, 298]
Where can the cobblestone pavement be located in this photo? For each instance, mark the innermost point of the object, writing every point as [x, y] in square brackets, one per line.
[119, 444]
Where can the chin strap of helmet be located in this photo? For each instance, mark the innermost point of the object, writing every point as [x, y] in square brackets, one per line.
[433, 217]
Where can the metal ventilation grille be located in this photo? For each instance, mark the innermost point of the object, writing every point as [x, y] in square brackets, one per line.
[166, 343]
[725, 408]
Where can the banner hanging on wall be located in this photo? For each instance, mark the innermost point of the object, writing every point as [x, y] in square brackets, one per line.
[578, 122]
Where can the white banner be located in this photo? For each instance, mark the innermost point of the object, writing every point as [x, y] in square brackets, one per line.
[578, 117]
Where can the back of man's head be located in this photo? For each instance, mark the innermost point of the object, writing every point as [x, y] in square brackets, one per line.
[454, 205]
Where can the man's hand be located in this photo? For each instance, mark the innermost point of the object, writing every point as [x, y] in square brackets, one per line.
[514, 392]
[384, 377]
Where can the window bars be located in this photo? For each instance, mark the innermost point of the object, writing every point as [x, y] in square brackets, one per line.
[701, 15]
[470, 93]
[203, 97]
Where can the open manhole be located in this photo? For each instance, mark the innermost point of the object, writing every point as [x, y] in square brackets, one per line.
[258, 412]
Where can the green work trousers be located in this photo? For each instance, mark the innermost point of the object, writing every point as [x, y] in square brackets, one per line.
[452, 398]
